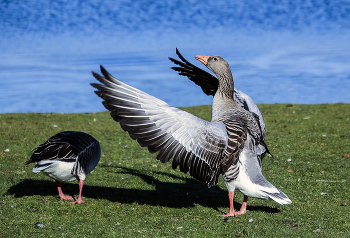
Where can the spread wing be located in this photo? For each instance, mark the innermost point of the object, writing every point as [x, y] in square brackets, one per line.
[194, 144]
[208, 82]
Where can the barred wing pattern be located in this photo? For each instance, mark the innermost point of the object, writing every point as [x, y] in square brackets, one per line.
[194, 144]
[239, 125]
[210, 83]
[71, 147]
[236, 138]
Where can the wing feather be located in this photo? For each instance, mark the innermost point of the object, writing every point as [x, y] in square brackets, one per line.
[208, 82]
[194, 144]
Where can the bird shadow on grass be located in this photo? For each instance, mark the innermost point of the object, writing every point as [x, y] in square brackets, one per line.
[168, 194]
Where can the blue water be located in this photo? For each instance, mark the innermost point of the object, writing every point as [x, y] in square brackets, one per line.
[279, 51]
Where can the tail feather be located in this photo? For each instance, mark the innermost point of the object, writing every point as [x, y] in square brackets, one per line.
[280, 197]
[39, 167]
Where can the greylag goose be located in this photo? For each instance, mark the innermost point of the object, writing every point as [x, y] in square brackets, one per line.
[231, 144]
[67, 156]
[209, 84]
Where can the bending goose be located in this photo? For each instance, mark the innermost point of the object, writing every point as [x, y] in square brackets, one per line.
[67, 156]
[231, 144]
[209, 84]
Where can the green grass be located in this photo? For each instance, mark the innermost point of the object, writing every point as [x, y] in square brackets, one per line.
[131, 194]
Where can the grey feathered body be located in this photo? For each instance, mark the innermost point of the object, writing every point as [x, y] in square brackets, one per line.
[205, 149]
[242, 163]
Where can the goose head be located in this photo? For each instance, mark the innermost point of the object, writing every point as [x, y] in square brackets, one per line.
[221, 68]
[215, 63]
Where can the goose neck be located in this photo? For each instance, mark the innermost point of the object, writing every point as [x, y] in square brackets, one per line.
[226, 85]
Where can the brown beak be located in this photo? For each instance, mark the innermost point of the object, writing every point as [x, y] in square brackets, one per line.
[203, 59]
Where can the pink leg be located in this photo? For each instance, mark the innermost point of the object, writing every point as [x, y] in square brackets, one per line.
[81, 184]
[243, 207]
[58, 183]
[231, 213]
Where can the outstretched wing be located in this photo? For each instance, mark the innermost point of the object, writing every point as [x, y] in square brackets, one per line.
[208, 82]
[194, 144]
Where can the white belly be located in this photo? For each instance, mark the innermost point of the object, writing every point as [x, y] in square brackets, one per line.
[247, 187]
[250, 180]
[58, 170]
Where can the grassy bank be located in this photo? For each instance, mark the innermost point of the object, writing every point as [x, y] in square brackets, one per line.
[130, 194]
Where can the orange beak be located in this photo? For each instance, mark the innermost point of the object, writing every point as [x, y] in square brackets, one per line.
[203, 59]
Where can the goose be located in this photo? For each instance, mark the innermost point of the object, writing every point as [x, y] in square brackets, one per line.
[230, 144]
[209, 84]
[65, 157]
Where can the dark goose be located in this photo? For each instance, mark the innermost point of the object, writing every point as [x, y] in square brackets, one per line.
[67, 156]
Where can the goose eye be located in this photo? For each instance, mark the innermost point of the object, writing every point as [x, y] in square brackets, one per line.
[215, 59]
